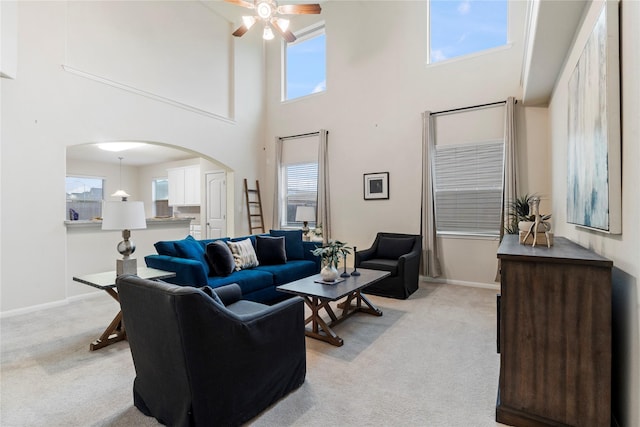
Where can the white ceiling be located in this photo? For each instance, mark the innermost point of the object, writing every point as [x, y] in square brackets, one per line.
[147, 154]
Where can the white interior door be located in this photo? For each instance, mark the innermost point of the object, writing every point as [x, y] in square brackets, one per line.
[216, 205]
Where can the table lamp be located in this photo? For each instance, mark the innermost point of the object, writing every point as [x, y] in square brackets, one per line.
[305, 214]
[125, 216]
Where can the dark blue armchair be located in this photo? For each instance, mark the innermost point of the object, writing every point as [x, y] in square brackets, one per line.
[205, 357]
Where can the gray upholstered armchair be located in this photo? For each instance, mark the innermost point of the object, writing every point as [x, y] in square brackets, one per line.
[400, 255]
[207, 358]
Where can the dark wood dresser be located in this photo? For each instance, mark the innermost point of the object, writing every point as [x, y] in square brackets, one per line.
[554, 335]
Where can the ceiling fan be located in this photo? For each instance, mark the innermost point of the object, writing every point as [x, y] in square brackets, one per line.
[268, 11]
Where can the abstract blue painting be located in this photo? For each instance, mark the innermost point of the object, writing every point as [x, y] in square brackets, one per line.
[593, 170]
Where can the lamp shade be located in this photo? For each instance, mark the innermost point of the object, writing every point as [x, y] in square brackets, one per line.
[305, 213]
[123, 216]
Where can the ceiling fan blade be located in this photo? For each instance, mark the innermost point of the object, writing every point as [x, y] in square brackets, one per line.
[240, 31]
[299, 9]
[243, 3]
[287, 35]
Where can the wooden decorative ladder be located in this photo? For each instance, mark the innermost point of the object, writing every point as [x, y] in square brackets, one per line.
[254, 207]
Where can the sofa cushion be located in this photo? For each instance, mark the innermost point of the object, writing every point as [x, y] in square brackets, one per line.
[389, 265]
[190, 248]
[220, 259]
[270, 250]
[249, 280]
[243, 254]
[166, 248]
[394, 247]
[292, 270]
[292, 242]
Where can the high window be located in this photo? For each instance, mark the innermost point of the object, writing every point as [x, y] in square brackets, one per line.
[468, 188]
[458, 28]
[305, 64]
[84, 197]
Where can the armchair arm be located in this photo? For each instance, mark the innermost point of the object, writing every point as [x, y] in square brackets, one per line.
[365, 255]
[229, 293]
[409, 264]
[271, 313]
[188, 271]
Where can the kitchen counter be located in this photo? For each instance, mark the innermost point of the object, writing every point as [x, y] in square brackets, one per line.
[150, 222]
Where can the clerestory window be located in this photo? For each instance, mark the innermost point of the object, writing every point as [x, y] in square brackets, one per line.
[458, 28]
[305, 70]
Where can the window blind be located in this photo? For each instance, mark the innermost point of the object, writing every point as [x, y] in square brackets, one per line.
[302, 189]
[468, 188]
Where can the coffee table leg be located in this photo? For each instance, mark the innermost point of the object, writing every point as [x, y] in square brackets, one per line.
[115, 331]
[319, 328]
[371, 309]
[348, 308]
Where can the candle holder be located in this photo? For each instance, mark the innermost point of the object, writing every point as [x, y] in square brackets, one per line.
[344, 273]
[355, 271]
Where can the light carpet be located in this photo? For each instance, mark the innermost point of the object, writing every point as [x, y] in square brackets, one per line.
[428, 361]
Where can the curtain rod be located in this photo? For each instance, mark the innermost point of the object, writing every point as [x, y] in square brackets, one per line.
[302, 135]
[490, 104]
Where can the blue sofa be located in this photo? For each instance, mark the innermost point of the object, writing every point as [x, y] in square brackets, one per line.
[187, 258]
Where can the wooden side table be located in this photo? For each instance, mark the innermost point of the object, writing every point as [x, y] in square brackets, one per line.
[107, 282]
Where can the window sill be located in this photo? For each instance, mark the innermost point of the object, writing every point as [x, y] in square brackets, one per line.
[467, 236]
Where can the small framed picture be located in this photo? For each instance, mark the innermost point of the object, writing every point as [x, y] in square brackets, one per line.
[376, 186]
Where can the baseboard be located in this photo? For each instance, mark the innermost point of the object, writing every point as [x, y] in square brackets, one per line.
[47, 305]
[492, 286]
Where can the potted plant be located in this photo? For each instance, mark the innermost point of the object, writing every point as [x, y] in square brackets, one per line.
[330, 255]
[518, 211]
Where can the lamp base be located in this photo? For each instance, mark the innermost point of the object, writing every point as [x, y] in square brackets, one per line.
[126, 266]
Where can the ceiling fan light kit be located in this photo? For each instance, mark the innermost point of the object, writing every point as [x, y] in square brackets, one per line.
[267, 11]
[267, 34]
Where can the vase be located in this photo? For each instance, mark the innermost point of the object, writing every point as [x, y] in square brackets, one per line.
[527, 226]
[329, 273]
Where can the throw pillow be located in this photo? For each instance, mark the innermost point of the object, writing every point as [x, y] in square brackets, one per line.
[190, 248]
[394, 247]
[165, 248]
[271, 250]
[214, 296]
[220, 259]
[243, 254]
[292, 242]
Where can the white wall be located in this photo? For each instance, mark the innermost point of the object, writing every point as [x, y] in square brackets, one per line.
[623, 249]
[378, 84]
[47, 109]
[8, 39]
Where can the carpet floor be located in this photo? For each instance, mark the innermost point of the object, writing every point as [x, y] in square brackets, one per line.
[428, 361]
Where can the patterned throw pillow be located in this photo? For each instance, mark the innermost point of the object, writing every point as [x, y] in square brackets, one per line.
[243, 254]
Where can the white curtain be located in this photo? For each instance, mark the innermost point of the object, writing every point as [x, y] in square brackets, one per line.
[430, 265]
[510, 178]
[277, 186]
[323, 216]
[509, 184]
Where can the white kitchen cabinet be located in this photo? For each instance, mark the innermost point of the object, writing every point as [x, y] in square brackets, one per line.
[184, 186]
